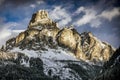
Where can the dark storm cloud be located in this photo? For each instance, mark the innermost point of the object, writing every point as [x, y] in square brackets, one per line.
[16, 2]
[114, 3]
[13, 4]
[107, 4]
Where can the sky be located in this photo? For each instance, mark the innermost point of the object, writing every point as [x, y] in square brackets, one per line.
[101, 17]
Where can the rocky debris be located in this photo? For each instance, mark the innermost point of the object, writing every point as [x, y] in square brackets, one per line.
[10, 44]
[7, 55]
[84, 46]
[14, 69]
[111, 70]
[18, 66]
[80, 70]
[30, 68]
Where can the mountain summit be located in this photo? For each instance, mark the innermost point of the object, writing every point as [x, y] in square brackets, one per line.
[43, 32]
[45, 51]
[41, 18]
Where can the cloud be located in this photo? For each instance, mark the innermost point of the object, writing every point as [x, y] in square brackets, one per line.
[40, 2]
[110, 14]
[61, 15]
[12, 5]
[18, 2]
[32, 5]
[93, 17]
[37, 3]
[6, 33]
[11, 29]
[89, 17]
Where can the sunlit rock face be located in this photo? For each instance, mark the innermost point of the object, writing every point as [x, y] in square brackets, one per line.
[71, 39]
[66, 38]
[94, 49]
[41, 18]
[42, 32]
[20, 37]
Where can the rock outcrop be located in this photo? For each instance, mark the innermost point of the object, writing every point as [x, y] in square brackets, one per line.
[7, 55]
[42, 32]
[20, 37]
[42, 20]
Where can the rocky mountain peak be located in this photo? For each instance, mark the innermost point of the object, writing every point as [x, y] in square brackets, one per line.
[42, 32]
[41, 18]
[46, 52]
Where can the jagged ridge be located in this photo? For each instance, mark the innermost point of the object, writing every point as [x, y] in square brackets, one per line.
[50, 44]
[84, 46]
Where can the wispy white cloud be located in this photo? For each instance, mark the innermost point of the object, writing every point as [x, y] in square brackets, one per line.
[40, 2]
[5, 31]
[88, 17]
[92, 17]
[6, 34]
[9, 30]
[37, 3]
[32, 5]
[61, 15]
[110, 14]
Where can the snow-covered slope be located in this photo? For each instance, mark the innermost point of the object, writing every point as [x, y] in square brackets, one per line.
[57, 63]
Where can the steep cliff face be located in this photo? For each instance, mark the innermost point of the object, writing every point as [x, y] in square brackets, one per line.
[42, 32]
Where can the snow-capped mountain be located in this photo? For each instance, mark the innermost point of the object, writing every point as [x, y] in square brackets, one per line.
[46, 52]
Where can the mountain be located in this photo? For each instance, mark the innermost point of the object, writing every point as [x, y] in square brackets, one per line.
[45, 51]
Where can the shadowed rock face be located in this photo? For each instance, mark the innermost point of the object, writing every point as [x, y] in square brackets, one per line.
[43, 32]
[111, 69]
[12, 68]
